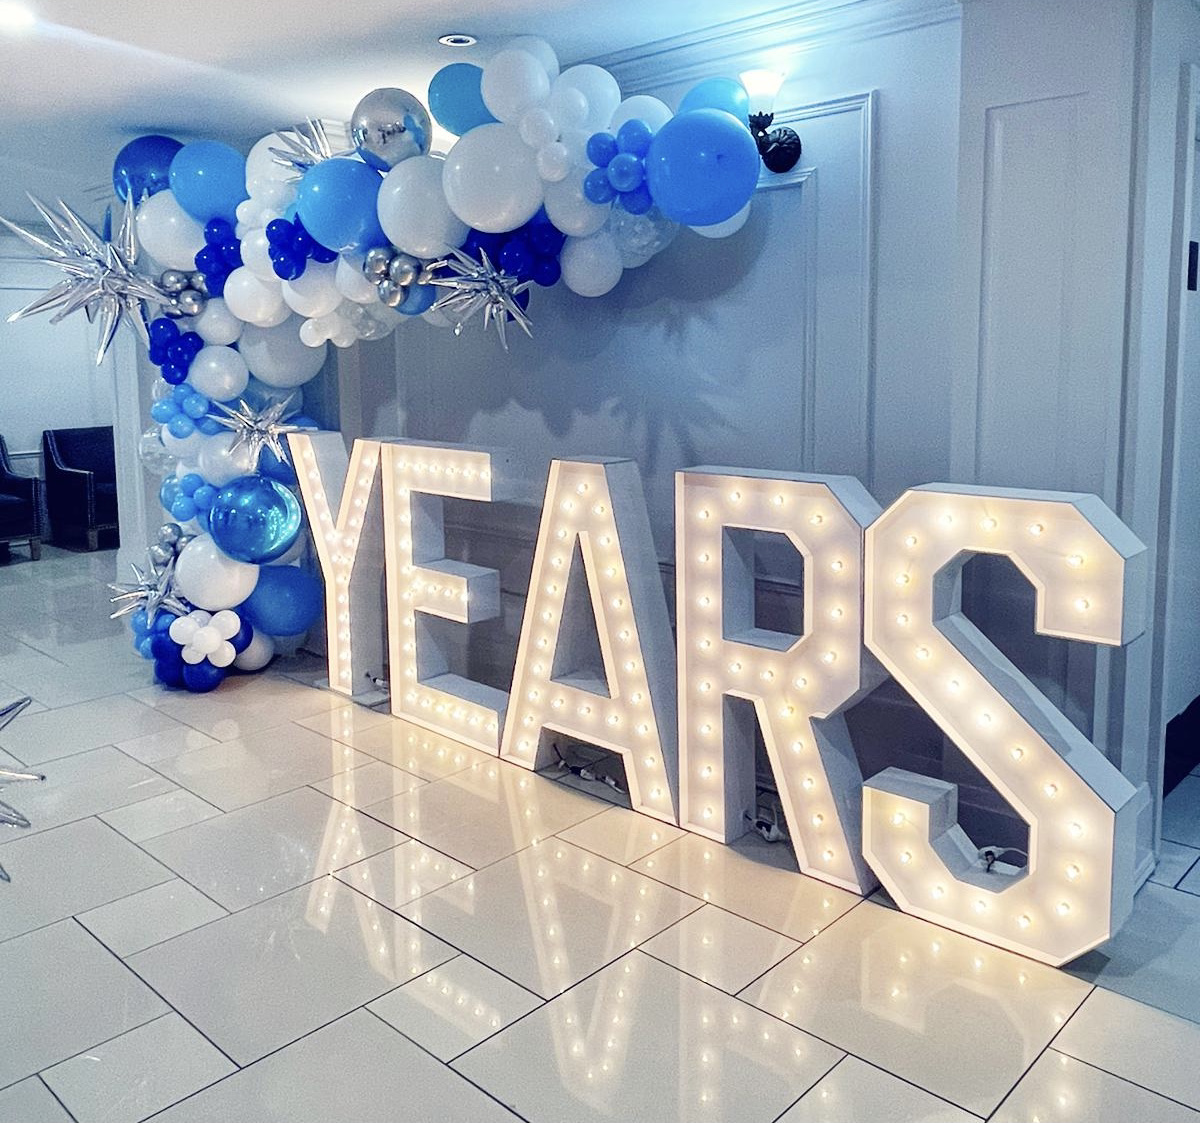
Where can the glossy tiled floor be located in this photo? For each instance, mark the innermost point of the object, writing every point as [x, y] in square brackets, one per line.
[267, 905]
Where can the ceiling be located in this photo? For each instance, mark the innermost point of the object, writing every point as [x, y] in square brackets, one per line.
[91, 75]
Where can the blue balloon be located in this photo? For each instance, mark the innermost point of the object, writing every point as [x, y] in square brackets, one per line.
[183, 509]
[242, 640]
[624, 172]
[169, 671]
[285, 602]
[702, 167]
[718, 93]
[634, 136]
[337, 201]
[596, 187]
[270, 465]
[455, 99]
[202, 677]
[601, 148]
[143, 167]
[209, 180]
[420, 299]
[254, 519]
[168, 491]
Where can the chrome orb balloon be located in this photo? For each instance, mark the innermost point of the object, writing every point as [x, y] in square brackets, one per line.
[169, 534]
[389, 126]
[375, 264]
[403, 269]
[254, 519]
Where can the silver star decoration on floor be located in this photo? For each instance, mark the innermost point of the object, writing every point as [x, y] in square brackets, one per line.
[100, 276]
[306, 144]
[259, 429]
[9, 815]
[153, 589]
[479, 286]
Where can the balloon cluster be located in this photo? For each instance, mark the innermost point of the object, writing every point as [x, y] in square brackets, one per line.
[529, 253]
[620, 167]
[172, 350]
[183, 411]
[188, 292]
[401, 281]
[292, 246]
[220, 256]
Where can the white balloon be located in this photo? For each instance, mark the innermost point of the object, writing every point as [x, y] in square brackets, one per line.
[413, 210]
[220, 462]
[598, 87]
[216, 324]
[210, 578]
[641, 107]
[512, 82]
[183, 447]
[540, 49]
[257, 655]
[256, 254]
[491, 179]
[261, 166]
[724, 229]
[591, 266]
[537, 127]
[183, 628]
[575, 142]
[277, 357]
[224, 655]
[255, 300]
[348, 276]
[206, 640]
[168, 233]
[571, 211]
[568, 106]
[314, 292]
[192, 655]
[313, 333]
[227, 623]
[219, 373]
[553, 162]
[343, 335]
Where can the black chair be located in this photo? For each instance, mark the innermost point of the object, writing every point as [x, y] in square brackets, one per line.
[20, 507]
[81, 482]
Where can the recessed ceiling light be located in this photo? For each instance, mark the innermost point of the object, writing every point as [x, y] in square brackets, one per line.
[458, 39]
[15, 18]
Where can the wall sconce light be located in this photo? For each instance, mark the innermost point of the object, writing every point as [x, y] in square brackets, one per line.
[779, 148]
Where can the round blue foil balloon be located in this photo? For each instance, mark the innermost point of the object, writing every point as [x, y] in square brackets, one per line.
[254, 519]
[337, 201]
[455, 99]
[285, 602]
[143, 167]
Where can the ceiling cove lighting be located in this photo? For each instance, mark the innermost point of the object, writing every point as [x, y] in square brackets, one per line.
[779, 148]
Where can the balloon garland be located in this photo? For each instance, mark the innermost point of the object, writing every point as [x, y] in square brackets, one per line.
[267, 258]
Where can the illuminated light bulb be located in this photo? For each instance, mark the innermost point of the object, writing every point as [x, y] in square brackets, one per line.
[735, 667]
[809, 783]
[606, 540]
[735, 496]
[988, 524]
[547, 616]
[552, 588]
[816, 519]
[703, 513]
[1051, 790]
[581, 489]
[1075, 830]
[630, 665]
[707, 813]
[946, 520]
[560, 533]
[618, 602]
[704, 557]
[923, 652]
[939, 891]
[955, 685]
[1082, 604]
[599, 509]
[706, 729]
[656, 793]
[836, 613]
[1075, 561]
[636, 697]
[902, 579]
[1024, 921]
[777, 500]
[1062, 908]
[704, 644]
[704, 602]
[624, 634]
[534, 695]
[706, 771]
[818, 819]
[800, 682]
[1072, 872]
[1035, 529]
[585, 710]
[903, 619]
[899, 819]
[910, 540]
[985, 719]
[905, 857]
[797, 746]
[827, 854]
[829, 657]
[643, 728]
[837, 565]
[787, 711]
[1016, 752]
[650, 761]
[981, 906]
[767, 675]
[558, 703]
[614, 719]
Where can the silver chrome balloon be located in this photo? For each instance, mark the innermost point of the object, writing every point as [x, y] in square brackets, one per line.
[173, 280]
[375, 264]
[169, 534]
[403, 269]
[389, 126]
[392, 294]
[191, 303]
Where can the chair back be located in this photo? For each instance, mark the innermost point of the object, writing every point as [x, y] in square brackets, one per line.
[90, 448]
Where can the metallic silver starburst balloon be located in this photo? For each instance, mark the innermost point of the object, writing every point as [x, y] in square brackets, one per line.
[9, 815]
[152, 589]
[100, 275]
[479, 286]
[264, 428]
[306, 144]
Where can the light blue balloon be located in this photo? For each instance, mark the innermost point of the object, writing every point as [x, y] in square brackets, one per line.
[208, 179]
[254, 519]
[455, 99]
[718, 93]
[337, 202]
[702, 167]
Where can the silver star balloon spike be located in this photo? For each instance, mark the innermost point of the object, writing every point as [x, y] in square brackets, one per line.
[100, 276]
[259, 429]
[305, 145]
[479, 286]
[152, 589]
[9, 815]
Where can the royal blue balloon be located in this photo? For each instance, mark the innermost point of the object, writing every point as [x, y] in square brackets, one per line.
[254, 519]
[337, 200]
[455, 99]
[204, 497]
[634, 136]
[624, 172]
[200, 678]
[285, 602]
[637, 201]
[718, 93]
[601, 148]
[270, 465]
[162, 411]
[242, 640]
[143, 166]
[183, 509]
[169, 671]
[168, 491]
[596, 187]
[702, 167]
[209, 180]
[420, 299]
[190, 483]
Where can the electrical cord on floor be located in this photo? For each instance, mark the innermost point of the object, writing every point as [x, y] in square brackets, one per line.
[990, 855]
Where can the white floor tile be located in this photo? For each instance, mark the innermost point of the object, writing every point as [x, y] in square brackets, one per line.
[372, 783]
[68, 870]
[345, 723]
[416, 750]
[143, 919]
[641, 1041]
[403, 873]
[37, 738]
[454, 1007]
[64, 993]
[30, 1101]
[1174, 861]
[251, 854]
[485, 813]
[259, 765]
[1181, 813]
[242, 705]
[261, 978]
[1136, 1042]
[720, 948]
[621, 836]
[1059, 1089]
[1190, 882]
[751, 881]
[356, 1069]
[950, 1014]
[141, 1072]
[856, 1092]
[85, 784]
[154, 747]
[159, 815]
[58, 686]
[550, 915]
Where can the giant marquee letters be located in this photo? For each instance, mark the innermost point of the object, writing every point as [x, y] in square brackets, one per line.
[886, 583]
